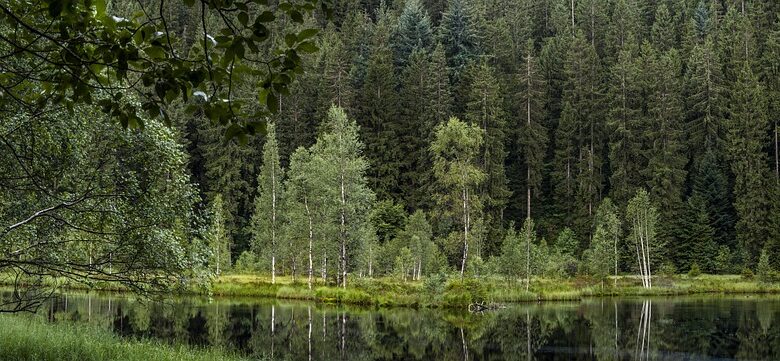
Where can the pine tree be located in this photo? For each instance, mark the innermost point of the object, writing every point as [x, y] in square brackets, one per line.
[418, 96]
[268, 215]
[666, 159]
[625, 27]
[583, 93]
[711, 181]
[460, 37]
[697, 244]
[335, 86]
[747, 134]
[608, 221]
[485, 109]
[456, 148]
[705, 100]
[564, 163]
[662, 33]
[625, 123]
[379, 122]
[533, 135]
[228, 170]
[413, 33]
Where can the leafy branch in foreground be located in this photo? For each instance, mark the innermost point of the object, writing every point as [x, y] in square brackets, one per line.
[68, 52]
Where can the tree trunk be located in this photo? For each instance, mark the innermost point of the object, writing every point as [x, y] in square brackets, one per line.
[527, 257]
[273, 220]
[311, 241]
[343, 234]
[777, 154]
[465, 231]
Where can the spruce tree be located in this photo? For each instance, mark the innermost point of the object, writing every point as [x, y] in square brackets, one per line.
[747, 135]
[378, 118]
[583, 92]
[697, 244]
[705, 100]
[485, 109]
[532, 133]
[413, 33]
[459, 35]
[625, 125]
[418, 96]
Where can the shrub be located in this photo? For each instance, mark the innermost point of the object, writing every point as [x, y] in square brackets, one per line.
[668, 269]
[747, 273]
[247, 262]
[694, 271]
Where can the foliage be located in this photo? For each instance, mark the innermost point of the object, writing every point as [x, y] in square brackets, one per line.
[694, 271]
[94, 52]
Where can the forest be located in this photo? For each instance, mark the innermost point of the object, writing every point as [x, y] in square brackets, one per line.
[475, 137]
[491, 136]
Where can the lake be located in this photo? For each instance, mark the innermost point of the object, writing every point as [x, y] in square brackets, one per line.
[685, 328]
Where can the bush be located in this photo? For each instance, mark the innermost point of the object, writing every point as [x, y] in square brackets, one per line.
[247, 262]
[765, 271]
[694, 271]
[668, 269]
[747, 273]
[464, 292]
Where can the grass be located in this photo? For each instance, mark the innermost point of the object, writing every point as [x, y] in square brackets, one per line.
[442, 291]
[31, 338]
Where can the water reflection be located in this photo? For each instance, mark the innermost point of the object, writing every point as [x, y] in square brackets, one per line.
[740, 328]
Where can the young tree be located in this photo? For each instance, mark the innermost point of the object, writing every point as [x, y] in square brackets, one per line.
[268, 216]
[455, 148]
[598, 255]
[528, 235]
[643, 218]
[697, 244]
[512, 263]
[217, 237]
[418, 236]
[608, 220]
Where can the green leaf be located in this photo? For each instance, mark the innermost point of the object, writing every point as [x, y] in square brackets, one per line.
[290, 39]
[155, 52]
[272, 102]
[243, 17]
[265, 17]
[307, 33]
[308, 47]
[296, 16]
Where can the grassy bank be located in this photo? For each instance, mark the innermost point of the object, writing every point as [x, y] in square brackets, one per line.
[31, 338]
[441, 291]
[454, 292]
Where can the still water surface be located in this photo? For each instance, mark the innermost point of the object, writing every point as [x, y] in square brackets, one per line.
[695, 328]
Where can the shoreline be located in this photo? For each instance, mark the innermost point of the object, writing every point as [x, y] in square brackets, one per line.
[441, 292]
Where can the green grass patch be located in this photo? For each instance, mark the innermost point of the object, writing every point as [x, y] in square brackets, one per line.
[30, 338]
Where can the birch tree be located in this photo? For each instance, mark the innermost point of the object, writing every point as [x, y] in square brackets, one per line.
[338, 160]
[643, 216]
[267, 217]
[455, 148]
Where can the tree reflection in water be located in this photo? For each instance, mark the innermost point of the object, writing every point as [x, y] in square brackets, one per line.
[599, 329]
